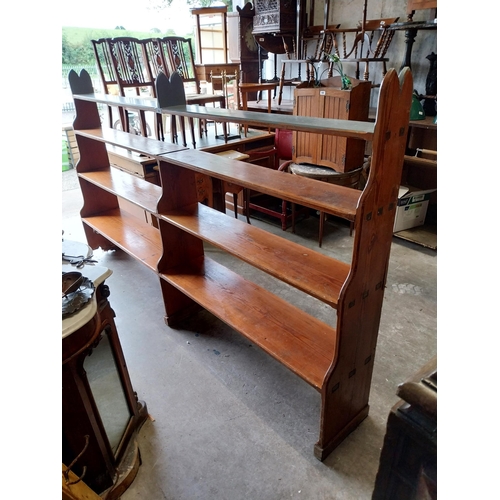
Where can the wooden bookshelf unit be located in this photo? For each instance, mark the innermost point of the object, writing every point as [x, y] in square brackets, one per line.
[337, 360]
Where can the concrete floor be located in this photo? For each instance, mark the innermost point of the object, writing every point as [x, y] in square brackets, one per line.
[231, 423]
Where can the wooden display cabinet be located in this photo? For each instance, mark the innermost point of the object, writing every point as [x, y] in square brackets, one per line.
[340, 153]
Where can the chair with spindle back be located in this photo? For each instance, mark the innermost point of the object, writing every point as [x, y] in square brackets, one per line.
[322, 44]
[371, 41]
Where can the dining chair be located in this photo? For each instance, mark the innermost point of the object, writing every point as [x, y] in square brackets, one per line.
[170, 92]
[367, 43]
[106, 72]
[178, 55]
[322, 45]
[132, 72]
[352, 179]
[280, 155]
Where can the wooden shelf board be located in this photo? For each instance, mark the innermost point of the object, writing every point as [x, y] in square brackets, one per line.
[301, 342]
[307, 270]
[328, 126]
[329, 198]
[137, 143]
[135, 237]
[325, 126]
[136, 190]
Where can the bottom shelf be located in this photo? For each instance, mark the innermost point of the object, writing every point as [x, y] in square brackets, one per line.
[425, 235]
[134, 236]
[299, 341]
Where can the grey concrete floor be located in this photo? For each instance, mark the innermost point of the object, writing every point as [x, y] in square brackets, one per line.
[227, 421]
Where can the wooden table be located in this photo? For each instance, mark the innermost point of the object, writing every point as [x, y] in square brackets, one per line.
[245, 88]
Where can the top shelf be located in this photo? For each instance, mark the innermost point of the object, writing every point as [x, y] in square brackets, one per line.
[325, 126]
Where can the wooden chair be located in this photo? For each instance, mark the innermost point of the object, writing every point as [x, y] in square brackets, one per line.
[177, 55]
[322, 44]
[243, 89]
[106, 72]
[132, 72]
[170, 92]
[351, 179]
[281, 151]
[370, 42]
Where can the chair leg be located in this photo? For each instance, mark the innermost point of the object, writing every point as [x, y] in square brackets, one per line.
[235, 205]
[191, 126]
[183, 130]
[282, 79]
[142, 120]
[322, 217]
[283, 214]
[173, 129]
[246, 204]
[110, 116]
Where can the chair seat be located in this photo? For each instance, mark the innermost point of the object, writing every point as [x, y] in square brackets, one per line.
[313, 171]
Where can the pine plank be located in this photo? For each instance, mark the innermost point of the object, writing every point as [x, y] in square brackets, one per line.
[134, 189]
[307, 270]
[329, 126]
[326, 126]
[300, 341]
[336, 200]
[135, 237]
[137, 143]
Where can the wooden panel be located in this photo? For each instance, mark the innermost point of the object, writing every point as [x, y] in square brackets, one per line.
[311, 272]
[301, 342]
[138, 239]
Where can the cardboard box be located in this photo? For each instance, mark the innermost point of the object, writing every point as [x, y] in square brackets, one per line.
[412, 208]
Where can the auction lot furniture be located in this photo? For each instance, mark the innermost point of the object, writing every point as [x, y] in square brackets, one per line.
[100, 410]
[337, 360]
[408, 462]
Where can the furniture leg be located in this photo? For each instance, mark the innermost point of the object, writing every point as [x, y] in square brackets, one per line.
[183, 130]
[173, 129]
[282, 80]
[142, 120]
[322, 217]
[191, 126]
[246, 207]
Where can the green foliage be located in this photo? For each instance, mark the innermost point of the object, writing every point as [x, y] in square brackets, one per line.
[77, 45]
